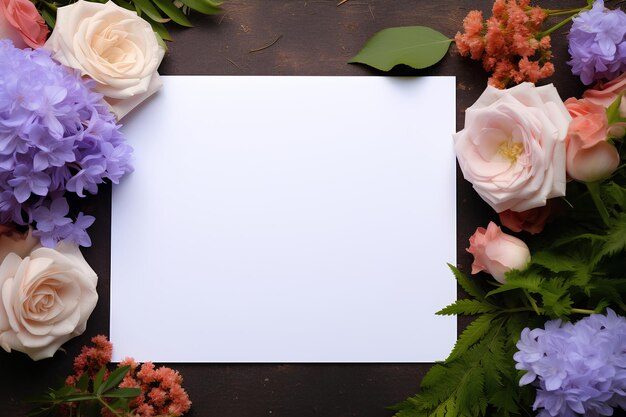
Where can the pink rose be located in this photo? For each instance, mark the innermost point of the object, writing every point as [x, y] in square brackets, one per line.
[21, 23]
[496, 252]
[531, 221]
[512, 148]
[589, 157]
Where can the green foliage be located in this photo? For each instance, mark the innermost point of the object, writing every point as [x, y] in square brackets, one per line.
[415, 46]
[89, 396]
[577, 267]
[155, 12]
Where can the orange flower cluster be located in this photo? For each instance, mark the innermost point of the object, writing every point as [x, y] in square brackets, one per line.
[508, 43]
[161, 391]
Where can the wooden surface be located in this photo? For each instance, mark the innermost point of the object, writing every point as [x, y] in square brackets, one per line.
[315, 37]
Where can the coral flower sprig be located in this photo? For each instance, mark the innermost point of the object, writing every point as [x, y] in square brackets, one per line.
[510, 43]
[129, 390]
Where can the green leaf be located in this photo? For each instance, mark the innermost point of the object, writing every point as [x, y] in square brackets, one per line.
[616, 238]
[203, 6]
[150, 11]
[612, 112]
[530, 282]
[173, 12]
[123, 393]
[555, 297]
[160, 30]
[83, 382]
[467, 308]
[470, 392]
[48, 17]
[114, 379]
[80, 397]
[555, 262]
[97, 380]
[472, 334]
[467, 284]
[415, 46]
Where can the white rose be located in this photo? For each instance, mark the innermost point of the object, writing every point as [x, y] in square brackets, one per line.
[512, 148]
[47, 298]
[113, 46]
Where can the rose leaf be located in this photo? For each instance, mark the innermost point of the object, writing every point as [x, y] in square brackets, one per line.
[415, 46]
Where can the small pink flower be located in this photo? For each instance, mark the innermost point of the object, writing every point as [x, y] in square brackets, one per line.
[496, 253]
[21, 22]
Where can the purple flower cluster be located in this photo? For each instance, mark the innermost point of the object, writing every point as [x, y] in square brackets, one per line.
[579, 368]
[597, 44]
[56, 136]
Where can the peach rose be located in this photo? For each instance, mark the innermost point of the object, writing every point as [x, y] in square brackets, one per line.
[47, 298]
[496, 253]
[589, 157]
[111, 45]
[21, 23]
[512, 148]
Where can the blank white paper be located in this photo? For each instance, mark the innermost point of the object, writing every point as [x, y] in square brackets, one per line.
[287, 219]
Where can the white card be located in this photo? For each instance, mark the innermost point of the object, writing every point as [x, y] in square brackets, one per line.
[287, 219]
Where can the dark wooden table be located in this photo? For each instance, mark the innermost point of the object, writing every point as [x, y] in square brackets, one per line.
[317, 37]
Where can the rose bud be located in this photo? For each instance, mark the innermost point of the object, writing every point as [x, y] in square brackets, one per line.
[496, 252]
[589, 157]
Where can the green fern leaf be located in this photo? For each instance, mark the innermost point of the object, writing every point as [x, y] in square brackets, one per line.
[471, 335]
[615, 241]
[467, 308]
[514, 281]
[467, 284]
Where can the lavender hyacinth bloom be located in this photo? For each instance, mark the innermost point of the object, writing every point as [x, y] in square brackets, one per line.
[56, 137]
[597, 44]
[579, 369]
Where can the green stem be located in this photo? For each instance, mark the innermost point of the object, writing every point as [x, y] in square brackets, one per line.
[562, 12]
[561, 24]
[111, 409]
[582, 311]
[594, 191]
[50, 6]
[518, 310]
[533, 303]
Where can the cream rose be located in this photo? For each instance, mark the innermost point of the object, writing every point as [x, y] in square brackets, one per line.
[512, 148]
[47, 298]
[112, 45]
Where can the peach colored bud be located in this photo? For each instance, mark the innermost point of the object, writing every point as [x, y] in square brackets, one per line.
[589, 157]
[496, 253]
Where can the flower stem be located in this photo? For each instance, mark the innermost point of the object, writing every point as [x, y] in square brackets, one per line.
[563, 23]
[111, 409]
[594, 191]
[533, 303]
[582, 311]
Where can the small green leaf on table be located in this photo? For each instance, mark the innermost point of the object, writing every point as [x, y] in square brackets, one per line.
[415, 46]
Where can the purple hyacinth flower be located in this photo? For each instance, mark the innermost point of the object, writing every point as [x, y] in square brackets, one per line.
[57, 136]
[597, 43]
[578, 369]
[48, 219]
